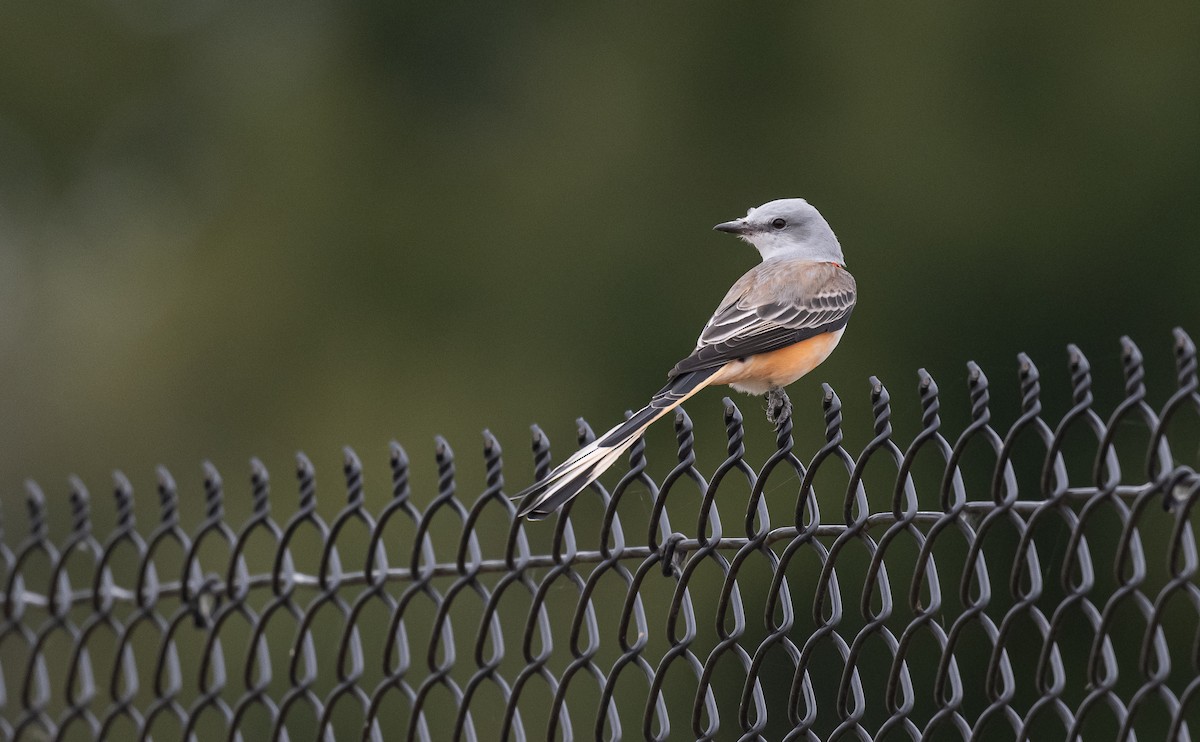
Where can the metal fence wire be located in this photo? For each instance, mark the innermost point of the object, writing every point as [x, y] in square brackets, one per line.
[1035, 582]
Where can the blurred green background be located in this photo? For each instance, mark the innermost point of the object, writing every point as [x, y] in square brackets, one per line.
[231, 230]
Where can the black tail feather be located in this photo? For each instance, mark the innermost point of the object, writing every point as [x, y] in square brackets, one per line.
[586, 465]
[667, 397]
[542, 508]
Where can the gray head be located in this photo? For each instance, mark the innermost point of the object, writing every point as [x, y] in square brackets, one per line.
[787, 228]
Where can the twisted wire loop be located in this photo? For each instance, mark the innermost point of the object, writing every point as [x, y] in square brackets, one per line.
[1031, 580]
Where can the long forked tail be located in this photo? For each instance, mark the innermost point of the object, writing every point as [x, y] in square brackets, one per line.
[588, 463]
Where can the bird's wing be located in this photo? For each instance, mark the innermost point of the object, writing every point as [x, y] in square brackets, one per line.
[772, 307]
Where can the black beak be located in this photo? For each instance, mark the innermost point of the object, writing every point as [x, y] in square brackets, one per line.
[737, 226]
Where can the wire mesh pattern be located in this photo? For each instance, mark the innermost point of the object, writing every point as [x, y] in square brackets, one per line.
[969, 586]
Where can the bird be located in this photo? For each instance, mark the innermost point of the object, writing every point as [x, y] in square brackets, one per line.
[778, 322]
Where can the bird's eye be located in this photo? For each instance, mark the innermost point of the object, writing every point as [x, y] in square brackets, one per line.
[778, 223]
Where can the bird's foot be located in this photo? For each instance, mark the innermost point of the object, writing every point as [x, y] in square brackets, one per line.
[779, 407]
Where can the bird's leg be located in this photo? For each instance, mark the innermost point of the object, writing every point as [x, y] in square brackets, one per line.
[779, 407]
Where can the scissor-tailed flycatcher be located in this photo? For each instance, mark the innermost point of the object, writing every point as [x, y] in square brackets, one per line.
[777, 323]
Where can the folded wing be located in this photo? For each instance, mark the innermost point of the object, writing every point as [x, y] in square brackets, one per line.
[772, 307]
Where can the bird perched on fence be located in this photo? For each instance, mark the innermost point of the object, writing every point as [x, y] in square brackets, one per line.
[777, 323]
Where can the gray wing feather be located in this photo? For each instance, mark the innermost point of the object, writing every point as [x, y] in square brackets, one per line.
[745, 326]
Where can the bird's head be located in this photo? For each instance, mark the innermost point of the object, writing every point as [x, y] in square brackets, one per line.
[787, 228]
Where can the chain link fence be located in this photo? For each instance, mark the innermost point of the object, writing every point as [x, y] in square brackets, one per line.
[1037, 581]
